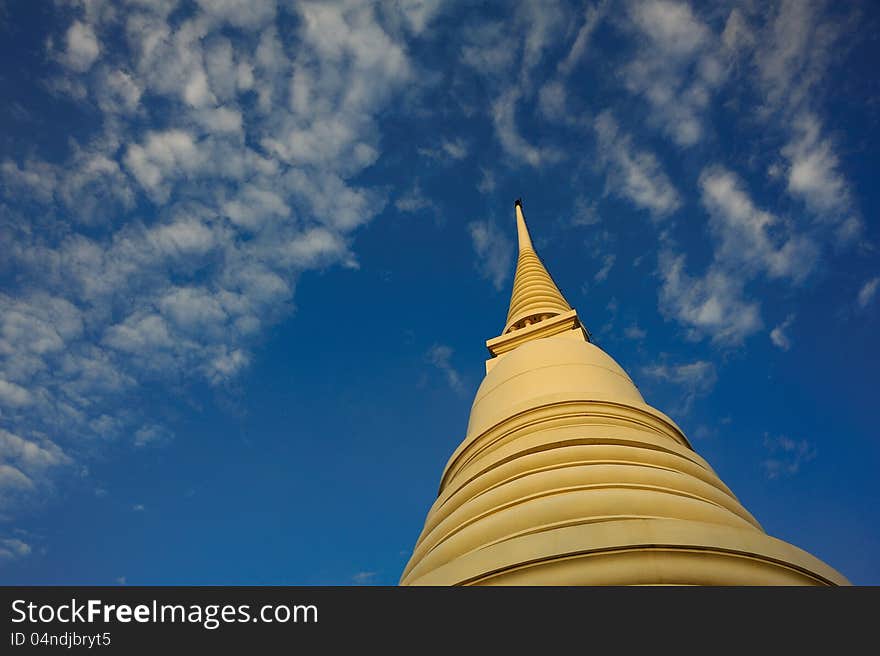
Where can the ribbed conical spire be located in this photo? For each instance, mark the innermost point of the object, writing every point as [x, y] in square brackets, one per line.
[535, 296]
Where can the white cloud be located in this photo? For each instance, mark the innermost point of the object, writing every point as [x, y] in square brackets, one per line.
[364, 578]
[634, 332]
[119, 93]
[513, 143]
[12, 480]
[38, 179]
[593, 16]
[13, 395]
[494, 250]
[92, 187]
[249, 15]
[29, 455]
[778, 335]
[487, 183]
[868, 292]
[584, 212]
[540, 21]
[743, 232]
[607, 263]
[140, 333]
[714, 305]
[552, 100]
[440, 356]
[700, 375]
[253, 207]
[313, 248]
[793, 52]
[151, 435]
[671, 26]
[26, 466]
[163, 155]
[36, 325]
[193, 309]
[786, 456]
[456, 149]
[676, 68]
[749, 243]
[415, 200]
[696, 378]
[792, 55]
[449, 151]
[814, 175]
[487, 48]
[493, 50]
[226, 364]
[737, 34]
[82, 47]
[13, 549]
[632, 174]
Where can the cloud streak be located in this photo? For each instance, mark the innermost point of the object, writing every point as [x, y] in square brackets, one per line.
[174, 234]
[494, 250]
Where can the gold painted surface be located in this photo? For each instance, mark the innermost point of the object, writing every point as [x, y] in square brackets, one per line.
[567, 477]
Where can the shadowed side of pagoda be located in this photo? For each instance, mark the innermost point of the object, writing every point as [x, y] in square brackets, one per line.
[567, 477]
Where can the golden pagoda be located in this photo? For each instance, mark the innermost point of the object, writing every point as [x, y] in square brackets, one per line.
[567, 477]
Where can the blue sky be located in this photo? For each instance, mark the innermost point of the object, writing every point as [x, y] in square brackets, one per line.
[250, 254]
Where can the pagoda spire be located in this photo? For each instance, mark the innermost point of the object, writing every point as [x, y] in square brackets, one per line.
[535, 296]
[566, 476]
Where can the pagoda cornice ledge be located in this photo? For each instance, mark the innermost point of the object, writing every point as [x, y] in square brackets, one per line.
[558, 408]
[546, 328]
[633, 552]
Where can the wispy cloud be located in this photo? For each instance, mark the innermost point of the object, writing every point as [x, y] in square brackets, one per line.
[494, 250]
[785, 455]
[506, 64]
[440, 356]
[448, 151]
[695, 379]
[414, 200]
[504, 119]
[27, 465]
[868, 292]
[633, 174]
[814, 175]
[81, 47]
[714, 304]
[677, 66]
[487, 182]
[793, 50]
[748, 243]
[779, 335]
[750, 238]
[364, 578]
[634, 332]
[593, 16]
[584, 212]
[13, 549]
[607, 262]
[115, 300]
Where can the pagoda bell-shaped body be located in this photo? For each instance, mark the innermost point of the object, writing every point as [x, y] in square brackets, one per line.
[567, 477]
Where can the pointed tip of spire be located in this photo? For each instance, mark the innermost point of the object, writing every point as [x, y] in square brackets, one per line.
[535, 296]
[522, 231]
